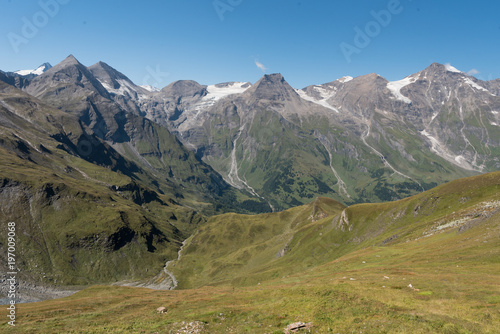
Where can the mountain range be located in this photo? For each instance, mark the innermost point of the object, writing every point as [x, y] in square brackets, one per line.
[97, 169]
[361, 139]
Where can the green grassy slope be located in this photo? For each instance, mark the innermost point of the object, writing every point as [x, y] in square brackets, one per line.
[279, 160]
[76, 230]
[440, 275]
[242, 250]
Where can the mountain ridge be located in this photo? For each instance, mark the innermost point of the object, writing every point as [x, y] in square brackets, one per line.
[362, 108]
[368, 111]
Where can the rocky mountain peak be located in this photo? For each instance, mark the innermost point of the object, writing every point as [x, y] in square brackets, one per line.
[108, 75]
[437, 70]
[372, 77]
[69, 60]
[69, 64]
[274, 78]
[271, 87]
[69, 72]
[365, 85]
[45, 66]
[185, 88]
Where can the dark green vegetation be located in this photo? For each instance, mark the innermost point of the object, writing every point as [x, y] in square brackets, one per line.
[425, 264]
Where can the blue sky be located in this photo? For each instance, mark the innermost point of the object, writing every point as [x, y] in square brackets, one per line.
[159, 41]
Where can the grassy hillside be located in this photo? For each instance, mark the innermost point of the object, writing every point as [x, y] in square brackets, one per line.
[77, 230]
[426, 264]
[241, 250]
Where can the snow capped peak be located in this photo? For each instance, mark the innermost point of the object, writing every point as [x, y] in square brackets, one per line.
[40, 70]
[345, 79]
[450, 68]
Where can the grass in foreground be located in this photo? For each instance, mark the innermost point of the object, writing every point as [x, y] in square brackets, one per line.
[366, 291]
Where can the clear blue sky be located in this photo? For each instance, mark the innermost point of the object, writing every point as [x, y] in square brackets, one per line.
[299, 38]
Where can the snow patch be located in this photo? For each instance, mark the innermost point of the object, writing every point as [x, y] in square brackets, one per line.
[475, 85]
[217, 92]
[125, 88]
[220, 91]
[396, 86]
[25, 72]
[105, 85]
[38, 71]
[214, 94]
[150, 88]
[345, 79]
[325, 95]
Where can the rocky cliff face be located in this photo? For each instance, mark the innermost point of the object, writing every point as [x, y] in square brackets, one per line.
[365, 138]
[109, 107]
